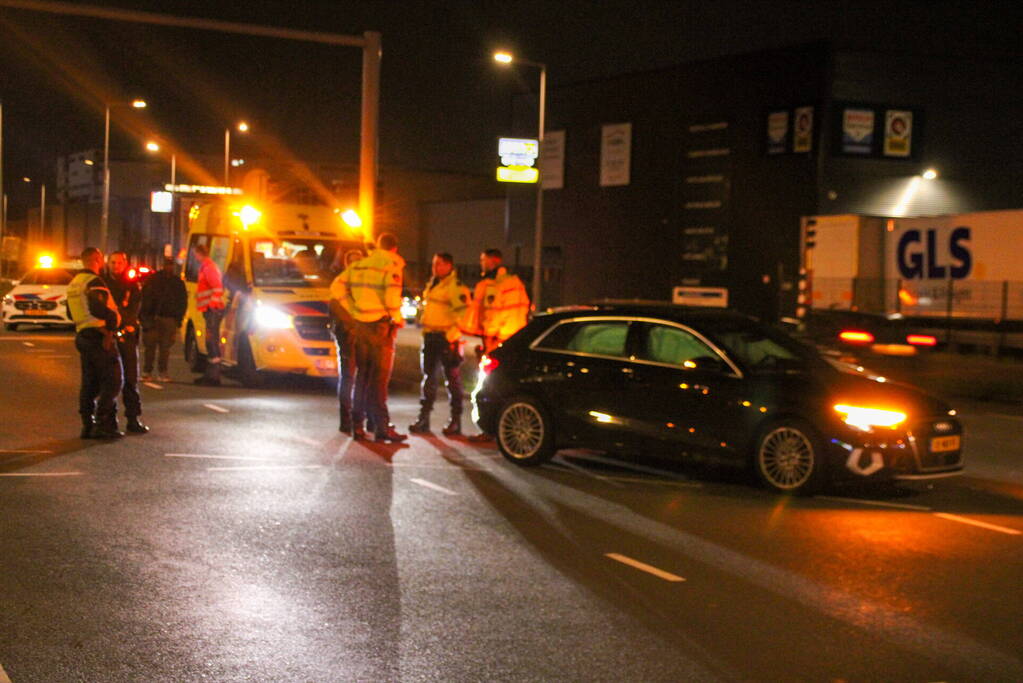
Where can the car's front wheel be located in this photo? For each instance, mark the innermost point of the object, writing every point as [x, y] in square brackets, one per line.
[196, 361]
[525, 433]
[789, 458]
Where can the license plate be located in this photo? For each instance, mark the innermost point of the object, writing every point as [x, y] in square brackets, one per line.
[940, 444]
[34, 311]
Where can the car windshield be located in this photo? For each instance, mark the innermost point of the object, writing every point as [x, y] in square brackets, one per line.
[48, 276]
[761, 348]
[294, 262]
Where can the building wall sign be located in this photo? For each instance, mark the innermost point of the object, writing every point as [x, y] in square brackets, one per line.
[161, 202]
[552, 168]
[898, 133]
[615, 154]
[201, 189]
[777, 132]
[857, 131]
[802, 138]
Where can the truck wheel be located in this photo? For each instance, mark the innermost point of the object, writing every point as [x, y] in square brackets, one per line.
[196, 361]
[249, 375]
[788, 457]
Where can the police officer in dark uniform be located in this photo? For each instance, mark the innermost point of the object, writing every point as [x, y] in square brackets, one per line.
[97, 320]
[128, 295]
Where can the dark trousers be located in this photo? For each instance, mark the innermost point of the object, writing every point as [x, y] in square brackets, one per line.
[345, 367]
[213, 353]
[374, 360]
[128, 347]
[158, 338]
[101, 379]
[440, 356]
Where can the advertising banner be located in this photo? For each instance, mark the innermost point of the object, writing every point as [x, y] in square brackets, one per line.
[802, 139]
[898, 133]
[552, 160]
[857, 131]
[777, 132]
[615, 154]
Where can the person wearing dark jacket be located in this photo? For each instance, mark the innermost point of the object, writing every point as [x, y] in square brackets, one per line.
[128, 297]
[97, 320]
[164, 304]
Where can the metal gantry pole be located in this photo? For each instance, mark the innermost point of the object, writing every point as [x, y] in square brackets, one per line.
[227, 156]
[371, 54]
[3, 196]
[538, 231]
[105, 212]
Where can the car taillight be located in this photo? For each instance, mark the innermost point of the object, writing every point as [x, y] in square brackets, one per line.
[132, 274]
[856, 336]
[488, 364]
[922, 340]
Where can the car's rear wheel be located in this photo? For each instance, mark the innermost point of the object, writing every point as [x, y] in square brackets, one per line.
[789, 459]
[525, 432]
[196, 361]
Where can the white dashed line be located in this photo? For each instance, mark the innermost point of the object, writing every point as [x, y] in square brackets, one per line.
[982, 525]
[28, 343]
[3, 676]
[40, 474]
[307, 440]
[19, 450]
[431, 485]
[877, 503]
[263, 467]
[643, 567]
[215, 408]
[217, 457]
[152, 385]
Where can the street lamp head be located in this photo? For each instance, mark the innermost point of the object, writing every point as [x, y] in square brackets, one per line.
[243, 127]
[152, 146]
[138, 104]
[503, 57]
[26, 179]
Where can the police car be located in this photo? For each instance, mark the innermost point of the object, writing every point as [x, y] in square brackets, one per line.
[40, 298]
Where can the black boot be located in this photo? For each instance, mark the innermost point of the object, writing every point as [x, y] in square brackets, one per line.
[136, 426]
[422, 425]
[88, 424]
[390, 435]
[345, 422]
[107, 431]
[453, 427]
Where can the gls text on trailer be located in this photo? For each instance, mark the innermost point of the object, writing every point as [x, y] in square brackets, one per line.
[901, 284]
[277, 261]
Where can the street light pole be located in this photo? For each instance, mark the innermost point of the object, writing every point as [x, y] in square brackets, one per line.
[3, 196]
[105, 213]
[227, 157]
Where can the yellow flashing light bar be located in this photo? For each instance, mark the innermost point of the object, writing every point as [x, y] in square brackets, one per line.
[45, 261]
[518, 174]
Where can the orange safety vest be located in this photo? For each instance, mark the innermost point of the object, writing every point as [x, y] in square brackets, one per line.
[209, 291]
[500, 306]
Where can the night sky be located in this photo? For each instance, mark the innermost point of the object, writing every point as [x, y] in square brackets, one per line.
[443, 100]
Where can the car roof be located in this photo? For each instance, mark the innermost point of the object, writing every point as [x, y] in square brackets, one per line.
[653, 309]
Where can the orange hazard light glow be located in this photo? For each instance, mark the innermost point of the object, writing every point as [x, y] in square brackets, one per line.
[922, 340]
[856, 336]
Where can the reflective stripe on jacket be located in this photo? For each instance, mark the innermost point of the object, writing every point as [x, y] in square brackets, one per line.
[209, 291]
[500, 306]
[91, 304]
[370, 288]
[446, 303]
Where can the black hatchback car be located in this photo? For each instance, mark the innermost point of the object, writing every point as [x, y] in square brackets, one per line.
[686, 380]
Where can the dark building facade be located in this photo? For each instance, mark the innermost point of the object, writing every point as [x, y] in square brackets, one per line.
[724, 157]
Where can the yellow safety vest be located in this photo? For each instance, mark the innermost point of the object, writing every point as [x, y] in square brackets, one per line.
[500, 306]
[446, 303]
[370, 288]
[78, 302]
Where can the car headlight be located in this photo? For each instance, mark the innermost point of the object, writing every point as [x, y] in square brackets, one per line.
[865, 418]
[8, 299]
[271, 318]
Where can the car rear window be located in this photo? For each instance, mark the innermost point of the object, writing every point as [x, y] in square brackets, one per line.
[601, 338]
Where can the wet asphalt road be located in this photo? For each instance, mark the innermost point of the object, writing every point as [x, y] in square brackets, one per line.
[244, 538]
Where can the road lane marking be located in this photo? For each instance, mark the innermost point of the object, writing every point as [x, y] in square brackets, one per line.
[215, 408]
[877, 503]
[39, 474]
[307, 440]
[21, 450]
[28, 343]
[3, 676]
[643, 567]
[263, 467]
[982, 525]
[217, 457]
[152, 385]
[431, 485]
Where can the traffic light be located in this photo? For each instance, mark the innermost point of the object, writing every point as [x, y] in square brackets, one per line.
[810, 234]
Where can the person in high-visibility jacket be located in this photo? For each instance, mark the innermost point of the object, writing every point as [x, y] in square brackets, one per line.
[344, 330]
[500, 305]
[209, 300]
[446, 300]
[97, 320]
[370, 290]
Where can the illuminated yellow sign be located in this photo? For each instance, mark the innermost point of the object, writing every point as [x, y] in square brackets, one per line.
[518, 174]
[201, 189]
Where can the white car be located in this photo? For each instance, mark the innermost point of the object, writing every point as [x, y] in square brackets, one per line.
[40, 298]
